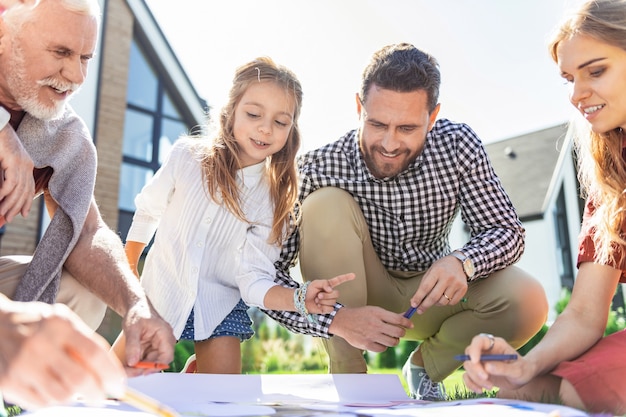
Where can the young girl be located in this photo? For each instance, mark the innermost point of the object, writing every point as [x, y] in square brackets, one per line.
[222, 209]
[574, 363]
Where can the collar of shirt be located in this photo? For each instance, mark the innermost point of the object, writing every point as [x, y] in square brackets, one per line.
[251, 175]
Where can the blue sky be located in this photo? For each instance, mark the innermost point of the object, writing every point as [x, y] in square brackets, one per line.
[497, 75]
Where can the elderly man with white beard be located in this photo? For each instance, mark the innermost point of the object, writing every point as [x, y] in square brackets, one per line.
[45, 148]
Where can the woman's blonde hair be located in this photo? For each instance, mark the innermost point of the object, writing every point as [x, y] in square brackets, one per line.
[221, 162]
[601, 167]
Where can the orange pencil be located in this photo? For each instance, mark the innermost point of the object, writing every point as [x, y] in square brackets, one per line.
[151, 365]
[148, 404]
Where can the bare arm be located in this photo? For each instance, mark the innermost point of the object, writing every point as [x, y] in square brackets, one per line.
[585, 316]
[99, 263]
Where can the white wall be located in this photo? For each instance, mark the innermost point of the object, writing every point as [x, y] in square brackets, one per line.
[540, 260]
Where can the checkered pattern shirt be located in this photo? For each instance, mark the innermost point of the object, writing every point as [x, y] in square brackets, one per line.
[410, 215]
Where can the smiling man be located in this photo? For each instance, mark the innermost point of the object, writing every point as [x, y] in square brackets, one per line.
[380, 202]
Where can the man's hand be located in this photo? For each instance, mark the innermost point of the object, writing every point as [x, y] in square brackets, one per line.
[49, 356]
[17, 185]
[443, 284]
[369, 328]
[148, 336]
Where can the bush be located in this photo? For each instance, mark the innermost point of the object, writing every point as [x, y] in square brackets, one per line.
[616, 322]
[406, 347]
[183, 350]
[387, 359]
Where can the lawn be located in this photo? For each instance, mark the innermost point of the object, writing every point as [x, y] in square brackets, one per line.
[455, 388]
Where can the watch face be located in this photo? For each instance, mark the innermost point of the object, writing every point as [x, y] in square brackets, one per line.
[468, 267]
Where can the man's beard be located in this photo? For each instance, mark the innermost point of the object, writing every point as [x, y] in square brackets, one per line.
[26, 94]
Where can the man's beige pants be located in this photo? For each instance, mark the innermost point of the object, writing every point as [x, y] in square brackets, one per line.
[334, 240]
[78, 298]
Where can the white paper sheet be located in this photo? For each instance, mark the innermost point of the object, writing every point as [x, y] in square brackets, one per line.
[323, 395]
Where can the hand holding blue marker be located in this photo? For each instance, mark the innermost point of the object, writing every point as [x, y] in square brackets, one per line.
[510, 357]
[409, 313]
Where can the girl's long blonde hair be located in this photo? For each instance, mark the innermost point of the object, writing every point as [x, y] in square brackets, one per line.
[220, 162]
[601, 167]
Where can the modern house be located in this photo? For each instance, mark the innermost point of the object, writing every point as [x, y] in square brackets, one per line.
[538, 172]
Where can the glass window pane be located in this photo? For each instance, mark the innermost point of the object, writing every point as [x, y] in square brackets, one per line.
[138, 135]
[142, 80]
[169, 109]
[171, 130]
[132, 180]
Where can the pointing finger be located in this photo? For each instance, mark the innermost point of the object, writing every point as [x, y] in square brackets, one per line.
[340, 279]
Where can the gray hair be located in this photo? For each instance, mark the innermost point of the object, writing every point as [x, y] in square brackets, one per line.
[17, 15]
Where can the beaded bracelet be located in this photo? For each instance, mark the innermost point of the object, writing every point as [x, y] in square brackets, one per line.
[299, 301]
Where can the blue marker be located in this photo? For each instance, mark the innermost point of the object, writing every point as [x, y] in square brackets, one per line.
[512, 357]
[409, 313]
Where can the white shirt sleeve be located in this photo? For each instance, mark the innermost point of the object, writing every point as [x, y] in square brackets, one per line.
[151, 202]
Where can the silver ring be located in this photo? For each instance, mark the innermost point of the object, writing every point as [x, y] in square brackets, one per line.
[447, 298]
[492, 340]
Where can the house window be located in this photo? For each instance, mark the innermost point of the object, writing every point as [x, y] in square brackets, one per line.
[564, 250]
[153, 122]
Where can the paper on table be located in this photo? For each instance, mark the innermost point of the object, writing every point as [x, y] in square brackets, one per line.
[479, 407]
[80, 411]
[225, 410]
[250, 395]
[454, 411]
[337, 395]
[120, 410]
[176, 389]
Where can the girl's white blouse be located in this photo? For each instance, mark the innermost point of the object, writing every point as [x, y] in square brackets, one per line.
[203, 257]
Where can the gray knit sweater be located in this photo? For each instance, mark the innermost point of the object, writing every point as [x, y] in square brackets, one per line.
[66, 146]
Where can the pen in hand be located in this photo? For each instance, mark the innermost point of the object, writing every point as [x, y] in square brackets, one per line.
[409, 313]
[511, 357]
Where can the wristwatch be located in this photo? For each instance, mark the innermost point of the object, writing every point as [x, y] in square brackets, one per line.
[468, 265]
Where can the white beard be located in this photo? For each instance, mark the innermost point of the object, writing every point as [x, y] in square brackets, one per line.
[26, 94]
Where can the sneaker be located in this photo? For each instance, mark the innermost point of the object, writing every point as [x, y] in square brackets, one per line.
[420, 385]
[191, 366]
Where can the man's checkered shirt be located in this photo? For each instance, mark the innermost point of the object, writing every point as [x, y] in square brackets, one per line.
[410, 215]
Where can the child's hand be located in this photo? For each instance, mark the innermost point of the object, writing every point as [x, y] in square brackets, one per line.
[321, 295]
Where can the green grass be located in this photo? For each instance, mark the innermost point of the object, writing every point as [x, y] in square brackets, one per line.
[455, 388]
